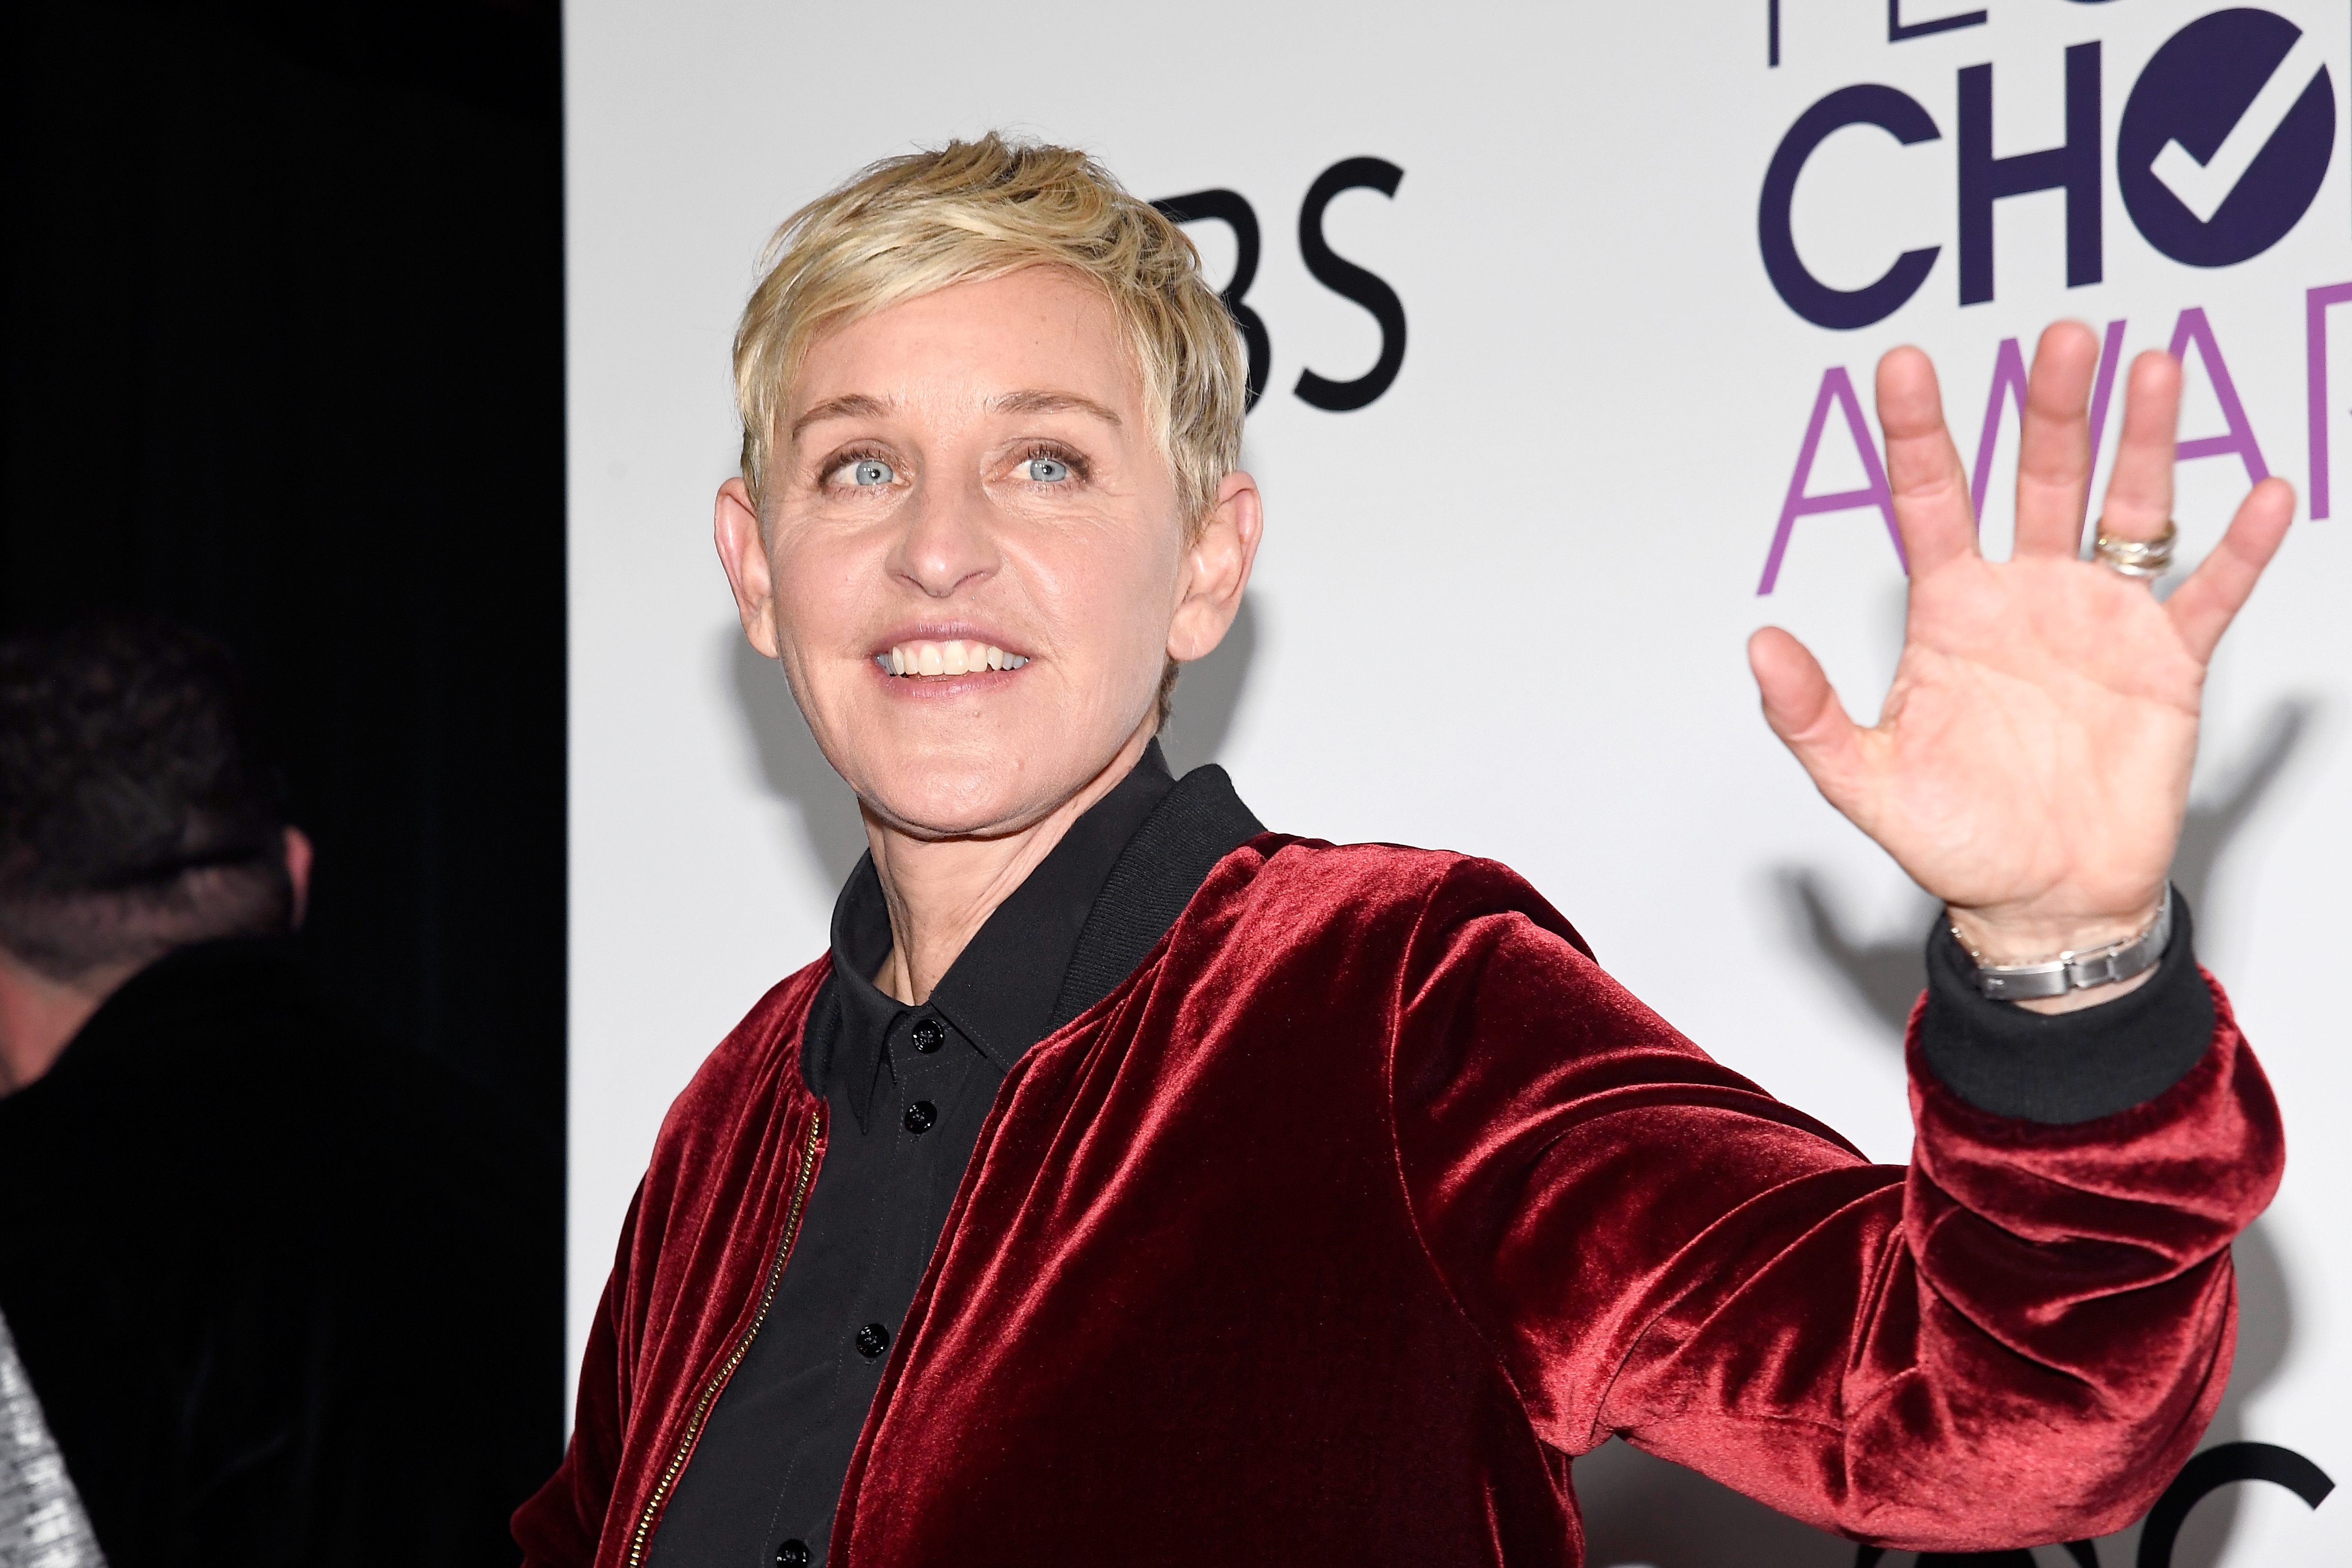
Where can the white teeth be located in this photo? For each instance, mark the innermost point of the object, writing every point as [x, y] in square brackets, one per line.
[954, 657]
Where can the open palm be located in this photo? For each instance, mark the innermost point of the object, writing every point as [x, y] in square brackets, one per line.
[2031, 764]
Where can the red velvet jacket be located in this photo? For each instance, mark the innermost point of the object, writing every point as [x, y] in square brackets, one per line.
[1368, 1200]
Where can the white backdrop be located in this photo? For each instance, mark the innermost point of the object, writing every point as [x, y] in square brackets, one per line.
[1501, 608]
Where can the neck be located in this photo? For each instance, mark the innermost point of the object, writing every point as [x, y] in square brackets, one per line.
[940, 892]
[39, 1015]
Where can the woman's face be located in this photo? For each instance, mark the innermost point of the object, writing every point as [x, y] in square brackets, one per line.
[975, 561]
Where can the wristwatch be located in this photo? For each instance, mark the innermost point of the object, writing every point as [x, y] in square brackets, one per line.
[2075, 971]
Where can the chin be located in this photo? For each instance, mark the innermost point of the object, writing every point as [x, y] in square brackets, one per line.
[971, 788]
[941, 762]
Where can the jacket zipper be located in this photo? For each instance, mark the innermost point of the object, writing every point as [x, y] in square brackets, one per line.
[742, 1347]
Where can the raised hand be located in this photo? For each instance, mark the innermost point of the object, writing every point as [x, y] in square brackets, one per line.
[2031, 764]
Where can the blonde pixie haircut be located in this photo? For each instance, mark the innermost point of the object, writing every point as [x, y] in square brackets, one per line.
[973, 210]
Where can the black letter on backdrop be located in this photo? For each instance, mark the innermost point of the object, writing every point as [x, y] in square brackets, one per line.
[1343, 277]
[1843, 310]
[2218, 1467]
[1897, 30]
[1232, 209]
[2073, 167]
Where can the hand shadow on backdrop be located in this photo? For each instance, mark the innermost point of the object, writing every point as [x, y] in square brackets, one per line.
[1882, 974]
[794, 769]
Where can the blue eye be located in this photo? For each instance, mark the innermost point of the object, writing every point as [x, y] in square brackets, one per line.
[1047, 470]
[871, 471]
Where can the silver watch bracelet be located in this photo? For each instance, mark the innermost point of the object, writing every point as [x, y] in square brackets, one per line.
[2073, 971]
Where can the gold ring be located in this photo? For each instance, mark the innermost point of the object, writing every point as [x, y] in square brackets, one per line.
[2144, 558]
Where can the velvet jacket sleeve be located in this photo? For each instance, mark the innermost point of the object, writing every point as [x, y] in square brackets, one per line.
[2017, 1339]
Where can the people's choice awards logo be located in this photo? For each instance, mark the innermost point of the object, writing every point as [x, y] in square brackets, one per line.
[2224, 142]
[2226, 138]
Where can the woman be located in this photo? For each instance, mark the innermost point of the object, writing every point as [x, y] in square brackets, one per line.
[1129, 1181]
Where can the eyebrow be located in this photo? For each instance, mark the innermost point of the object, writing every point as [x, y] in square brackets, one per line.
[1037, 402]
[856, 405]
[859, 405]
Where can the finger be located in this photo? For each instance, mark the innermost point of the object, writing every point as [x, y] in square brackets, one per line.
[2139, 493]
[2202, 607]
[2054, 448]
[1931, 493]
[1804, 712]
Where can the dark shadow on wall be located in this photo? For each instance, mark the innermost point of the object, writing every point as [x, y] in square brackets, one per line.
[1209, 693]
[2212, 826]
[789, 760]
[1883, 973]
[1642, 1510]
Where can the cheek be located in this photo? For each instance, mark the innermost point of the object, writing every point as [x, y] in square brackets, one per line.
[816, 595]
[1118, 609]
[816, 621]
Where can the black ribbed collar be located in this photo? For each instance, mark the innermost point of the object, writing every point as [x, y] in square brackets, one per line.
[1092, 910]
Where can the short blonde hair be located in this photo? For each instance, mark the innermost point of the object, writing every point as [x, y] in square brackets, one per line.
[908, 226]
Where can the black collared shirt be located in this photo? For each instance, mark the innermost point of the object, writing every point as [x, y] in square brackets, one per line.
[906, 1089]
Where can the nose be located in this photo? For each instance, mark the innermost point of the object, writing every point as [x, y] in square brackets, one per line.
[949, 544]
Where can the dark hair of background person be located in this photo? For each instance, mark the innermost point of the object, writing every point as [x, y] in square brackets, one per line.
[280, 1285]
[285, 326]
[135, 813]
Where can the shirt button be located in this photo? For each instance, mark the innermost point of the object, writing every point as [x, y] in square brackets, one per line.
[929, 1036]
[873, 1340]
[920, 1116]
[792, 1555]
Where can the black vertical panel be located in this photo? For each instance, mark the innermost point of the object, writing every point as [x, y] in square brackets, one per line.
[284, 360]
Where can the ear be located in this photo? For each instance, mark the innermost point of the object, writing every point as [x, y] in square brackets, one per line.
[743, 552]
[299, 856]
[1217, 569]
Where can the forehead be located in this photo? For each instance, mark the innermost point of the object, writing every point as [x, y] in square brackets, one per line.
[1040, 329]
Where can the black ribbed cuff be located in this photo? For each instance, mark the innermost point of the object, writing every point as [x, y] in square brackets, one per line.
[2065, 1068]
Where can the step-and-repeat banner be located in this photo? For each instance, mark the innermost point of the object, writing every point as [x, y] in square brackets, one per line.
[1565, 322]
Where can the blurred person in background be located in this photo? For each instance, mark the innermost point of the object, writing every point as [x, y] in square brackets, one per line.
[259, 1264]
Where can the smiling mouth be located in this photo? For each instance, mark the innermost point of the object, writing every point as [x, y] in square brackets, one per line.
[952, 657]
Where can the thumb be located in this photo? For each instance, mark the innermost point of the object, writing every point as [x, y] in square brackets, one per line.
[1805, 713]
